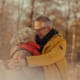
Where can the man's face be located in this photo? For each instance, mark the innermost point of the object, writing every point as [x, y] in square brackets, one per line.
[41, 31]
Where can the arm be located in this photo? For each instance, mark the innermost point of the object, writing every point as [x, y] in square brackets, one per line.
[57, 53]
[18, 59]
[22, 54]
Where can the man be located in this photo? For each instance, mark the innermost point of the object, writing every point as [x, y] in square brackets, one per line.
[53, 47]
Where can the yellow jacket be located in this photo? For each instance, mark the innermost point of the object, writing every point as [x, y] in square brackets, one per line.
[52, 59]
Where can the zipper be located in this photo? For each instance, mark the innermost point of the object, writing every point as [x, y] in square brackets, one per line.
[58, 70]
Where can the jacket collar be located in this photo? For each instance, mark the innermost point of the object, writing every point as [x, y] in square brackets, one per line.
[31, 47]
[43, 41]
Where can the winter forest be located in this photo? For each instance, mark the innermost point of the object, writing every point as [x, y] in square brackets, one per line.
[65, 15]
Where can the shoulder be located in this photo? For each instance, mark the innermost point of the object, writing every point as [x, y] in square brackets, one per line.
[57, 38]
[19, 52]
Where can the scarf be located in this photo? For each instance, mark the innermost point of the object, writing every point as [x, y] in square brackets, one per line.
[45, 39]
[31, 47]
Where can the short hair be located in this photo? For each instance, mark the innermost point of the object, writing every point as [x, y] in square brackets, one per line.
[22, 36]
[45, 21]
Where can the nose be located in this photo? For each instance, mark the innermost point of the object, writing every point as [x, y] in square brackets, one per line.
[38, 33]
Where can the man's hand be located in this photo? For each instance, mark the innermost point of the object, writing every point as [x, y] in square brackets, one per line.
[12, 63]
[17, 63]
[22, 62]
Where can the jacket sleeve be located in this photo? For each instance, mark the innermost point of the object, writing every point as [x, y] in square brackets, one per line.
[57, 53]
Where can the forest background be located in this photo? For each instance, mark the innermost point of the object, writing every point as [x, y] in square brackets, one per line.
[65, 15]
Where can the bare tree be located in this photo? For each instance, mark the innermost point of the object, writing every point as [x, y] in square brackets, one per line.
[3, 2]
[32, 13]
[19, 13]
